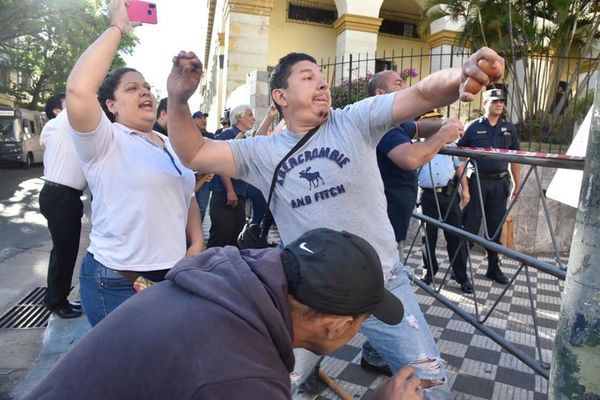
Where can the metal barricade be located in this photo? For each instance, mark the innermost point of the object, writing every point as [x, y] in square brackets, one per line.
[557, 269]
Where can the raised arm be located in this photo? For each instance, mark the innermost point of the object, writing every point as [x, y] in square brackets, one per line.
[410, 156]
[83, 82]
[446, 86]
[196, 152]
[263, 129]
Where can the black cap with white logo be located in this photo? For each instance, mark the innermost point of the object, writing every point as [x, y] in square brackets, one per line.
[339, 273]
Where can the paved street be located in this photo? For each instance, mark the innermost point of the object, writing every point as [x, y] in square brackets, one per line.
[21, 224]
[24, 250]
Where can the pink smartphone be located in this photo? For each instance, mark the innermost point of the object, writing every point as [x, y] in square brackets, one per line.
[142, 11]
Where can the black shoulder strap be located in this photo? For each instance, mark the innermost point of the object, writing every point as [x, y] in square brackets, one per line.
[300, 143]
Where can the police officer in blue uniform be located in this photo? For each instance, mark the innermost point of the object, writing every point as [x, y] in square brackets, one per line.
[438, 180]
[491, 130]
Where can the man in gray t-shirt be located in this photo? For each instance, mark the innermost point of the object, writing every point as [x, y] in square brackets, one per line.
[330, 181]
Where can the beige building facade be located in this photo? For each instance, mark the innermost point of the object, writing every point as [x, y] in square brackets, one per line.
[246, 38]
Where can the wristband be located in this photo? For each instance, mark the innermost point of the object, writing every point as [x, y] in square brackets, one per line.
[119, 28]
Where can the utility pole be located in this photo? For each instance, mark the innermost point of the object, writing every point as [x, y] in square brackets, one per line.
[575, 371]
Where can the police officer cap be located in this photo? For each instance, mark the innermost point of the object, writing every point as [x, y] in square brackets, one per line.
[494, 94]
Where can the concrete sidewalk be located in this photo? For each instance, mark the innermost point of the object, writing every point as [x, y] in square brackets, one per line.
[28, 354]
[60, 336]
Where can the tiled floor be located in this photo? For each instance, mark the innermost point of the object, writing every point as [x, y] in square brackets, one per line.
[478, 368]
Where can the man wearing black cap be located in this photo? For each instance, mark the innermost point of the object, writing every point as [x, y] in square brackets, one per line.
[199, 119]
[491, 130]
[224, 323]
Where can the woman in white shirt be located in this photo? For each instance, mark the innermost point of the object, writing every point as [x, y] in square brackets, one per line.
[143, 211]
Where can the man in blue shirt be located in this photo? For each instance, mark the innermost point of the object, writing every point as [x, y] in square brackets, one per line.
[438, 181]
[493, 131]
[398, 158]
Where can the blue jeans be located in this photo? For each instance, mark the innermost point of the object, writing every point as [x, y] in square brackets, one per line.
[399, 345]
[202, 197]
[102, 289]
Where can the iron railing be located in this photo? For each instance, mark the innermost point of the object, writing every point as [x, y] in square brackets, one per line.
[546, 109]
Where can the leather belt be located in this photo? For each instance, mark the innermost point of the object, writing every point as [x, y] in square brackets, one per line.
[154, 276]
[58, 185]
[130, 275]
[441, 189]
[498, 176]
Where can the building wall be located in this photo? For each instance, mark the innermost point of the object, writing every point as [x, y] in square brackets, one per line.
[287, 35]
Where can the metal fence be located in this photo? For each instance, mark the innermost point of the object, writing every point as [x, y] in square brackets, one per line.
[473, 310]
[547, 95]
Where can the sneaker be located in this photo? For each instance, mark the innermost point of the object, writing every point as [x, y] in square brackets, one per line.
[426, 280]
[378, 369]
[498, 277]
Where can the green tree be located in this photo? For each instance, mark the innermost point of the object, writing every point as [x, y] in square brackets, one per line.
[19, 18]
[550, 40]
[44, 56]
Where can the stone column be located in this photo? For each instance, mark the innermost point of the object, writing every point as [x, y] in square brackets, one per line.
[445, 54]
[258, 84]
[444, 32]
[246, 28]
[356, 29]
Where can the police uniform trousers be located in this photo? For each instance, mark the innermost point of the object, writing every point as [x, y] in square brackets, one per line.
[453, 242]
[62, 207]
[495, 194]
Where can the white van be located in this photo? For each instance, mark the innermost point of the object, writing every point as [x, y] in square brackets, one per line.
[20, 131]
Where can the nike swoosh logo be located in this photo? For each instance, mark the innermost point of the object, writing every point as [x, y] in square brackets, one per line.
[303, 247]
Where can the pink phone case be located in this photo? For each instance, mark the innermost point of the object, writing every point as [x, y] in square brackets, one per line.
[142, 11]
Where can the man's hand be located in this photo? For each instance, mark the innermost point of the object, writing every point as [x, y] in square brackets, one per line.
[465, 197]
[184, 77]
[484, 67]
[272, 112]
[515, 192]
[232, 199]
[194, 249]
[404, 385]
[452, 129]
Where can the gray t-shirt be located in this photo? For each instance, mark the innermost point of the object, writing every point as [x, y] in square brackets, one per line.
[333, 181]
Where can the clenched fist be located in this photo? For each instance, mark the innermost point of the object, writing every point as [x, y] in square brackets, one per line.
[184, 77]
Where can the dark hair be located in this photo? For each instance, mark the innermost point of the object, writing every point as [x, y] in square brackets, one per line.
[108, 87]
[283, 70]
[162, 105]
[377, 81]
[52, 103]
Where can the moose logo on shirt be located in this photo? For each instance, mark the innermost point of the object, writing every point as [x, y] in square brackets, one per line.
[316, 183]
[313, 178]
